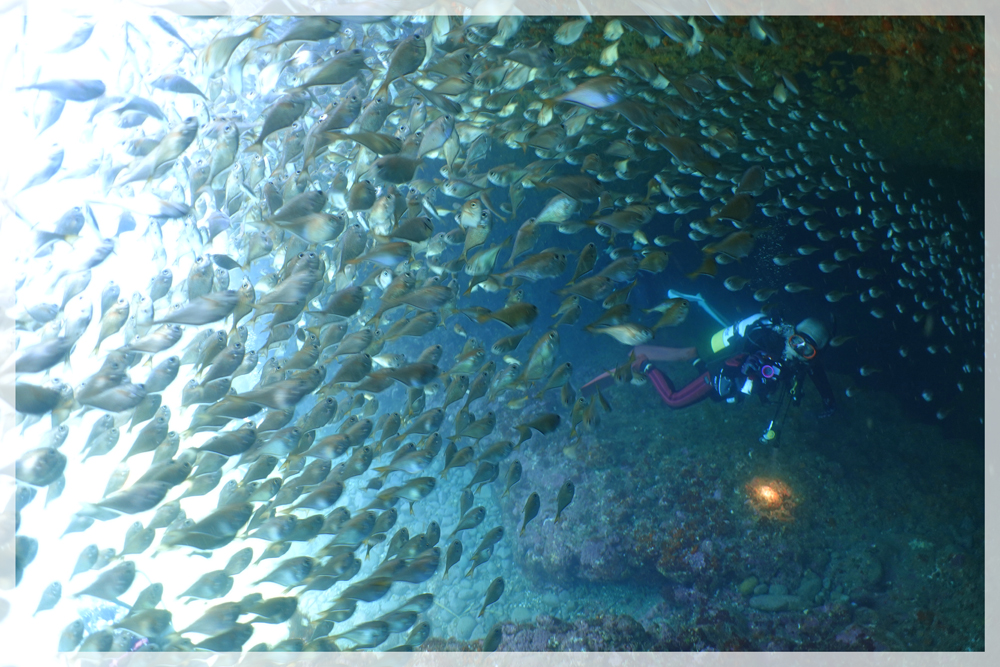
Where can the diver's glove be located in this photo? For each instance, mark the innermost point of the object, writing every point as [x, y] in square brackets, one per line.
[742, 325]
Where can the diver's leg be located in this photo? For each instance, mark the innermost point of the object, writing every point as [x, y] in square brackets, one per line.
[606, 379]
[696, 390]
[674, 398]
[661, 384]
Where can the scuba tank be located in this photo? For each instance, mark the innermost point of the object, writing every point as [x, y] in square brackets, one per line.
[723, 338]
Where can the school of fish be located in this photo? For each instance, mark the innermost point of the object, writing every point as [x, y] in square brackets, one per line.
[342, 236]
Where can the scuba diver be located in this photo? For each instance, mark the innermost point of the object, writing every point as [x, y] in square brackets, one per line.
[769, 359]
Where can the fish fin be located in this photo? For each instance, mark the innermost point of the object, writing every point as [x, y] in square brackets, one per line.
[258, 32]
[709, 267]
[604, 402]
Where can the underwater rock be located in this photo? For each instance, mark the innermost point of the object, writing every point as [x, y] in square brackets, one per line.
[602, 633]
[771, 602]
[747, 586]
[603, 560]
[811, 585]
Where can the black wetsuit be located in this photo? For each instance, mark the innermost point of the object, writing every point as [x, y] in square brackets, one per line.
[761, 361]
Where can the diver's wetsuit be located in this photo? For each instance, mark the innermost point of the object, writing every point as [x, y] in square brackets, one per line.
[760, 361]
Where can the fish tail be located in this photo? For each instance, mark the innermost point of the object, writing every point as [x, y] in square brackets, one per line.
[258, 32]
[549, 105]
[694, 274]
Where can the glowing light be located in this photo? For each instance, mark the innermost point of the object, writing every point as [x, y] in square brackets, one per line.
[771, 498]
[768, 496]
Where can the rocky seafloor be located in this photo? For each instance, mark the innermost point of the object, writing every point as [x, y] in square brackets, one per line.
[875, 540]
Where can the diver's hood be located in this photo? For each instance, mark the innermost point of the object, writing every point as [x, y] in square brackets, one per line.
[815, 331]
